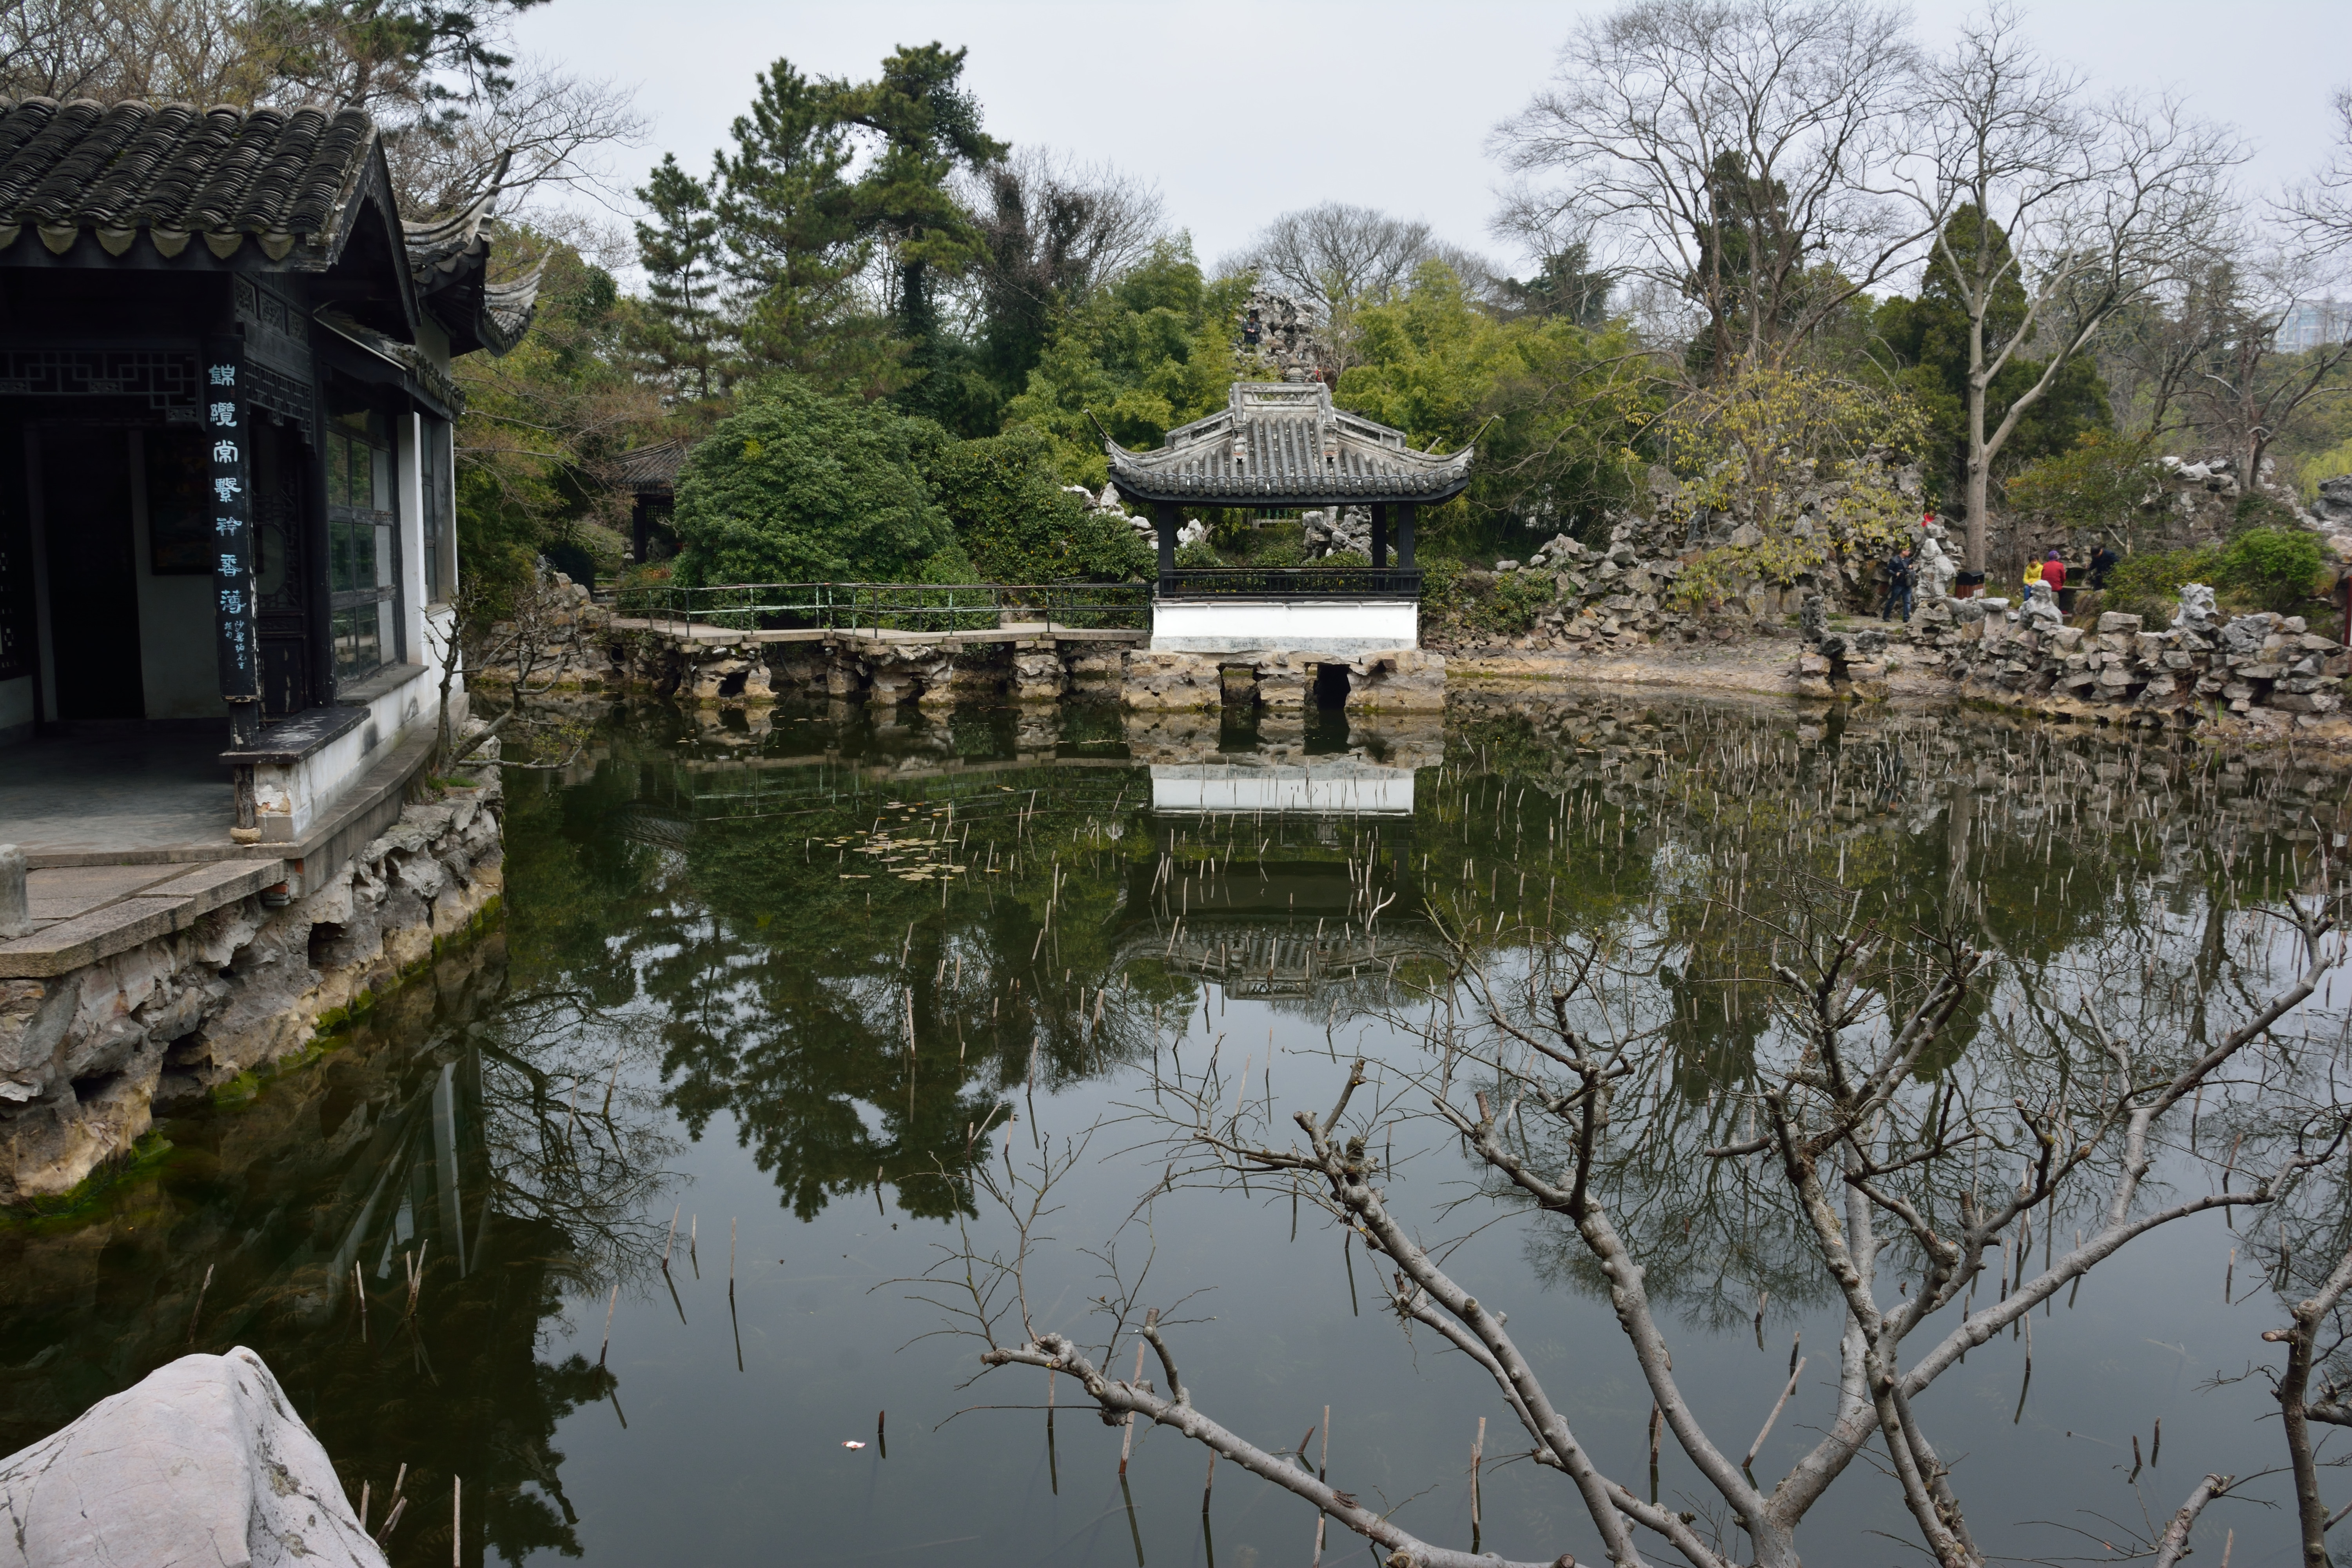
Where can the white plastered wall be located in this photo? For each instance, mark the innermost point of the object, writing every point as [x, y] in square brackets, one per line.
[179, 659]
[1295, 626]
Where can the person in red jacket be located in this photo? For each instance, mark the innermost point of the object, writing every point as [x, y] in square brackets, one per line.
[2054, 571]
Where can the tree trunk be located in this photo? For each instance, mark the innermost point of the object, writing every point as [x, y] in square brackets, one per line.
[1980, 461]
[2294, 1388]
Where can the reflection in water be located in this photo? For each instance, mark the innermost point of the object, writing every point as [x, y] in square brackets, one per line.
[438, 1161]
[876, 949]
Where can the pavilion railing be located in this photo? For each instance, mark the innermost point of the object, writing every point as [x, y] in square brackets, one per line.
[1292, 582]
[877, 607]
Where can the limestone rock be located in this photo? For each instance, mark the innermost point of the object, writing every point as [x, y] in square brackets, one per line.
[2245, 635]
[2041, 612]
[203, 1462]
[2196, 613]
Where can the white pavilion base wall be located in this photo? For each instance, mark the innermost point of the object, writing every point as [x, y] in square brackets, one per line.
[1294, 626]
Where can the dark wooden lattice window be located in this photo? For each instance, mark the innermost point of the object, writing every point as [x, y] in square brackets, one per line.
[362, 544]
[440, 526]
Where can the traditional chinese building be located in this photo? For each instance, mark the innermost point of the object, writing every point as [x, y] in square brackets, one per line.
[225, 470]
[1283, 446]
[651, 473]
[228, 556]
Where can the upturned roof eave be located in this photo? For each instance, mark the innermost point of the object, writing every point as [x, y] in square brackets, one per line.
[1228, 494]
[1139, 477]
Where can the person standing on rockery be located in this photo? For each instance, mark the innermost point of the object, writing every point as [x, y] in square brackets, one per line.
[1898, 586]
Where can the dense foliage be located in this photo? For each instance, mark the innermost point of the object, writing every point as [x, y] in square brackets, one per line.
[544, 426]
[870, 242]
[796, 487]
[1802, 459]
[2099, 482]
[2258, 569]
[1015, 521]
[1149, 353]
[1552, 403]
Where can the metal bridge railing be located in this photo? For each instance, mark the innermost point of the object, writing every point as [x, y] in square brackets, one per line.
[1291, 582]
[889, 607]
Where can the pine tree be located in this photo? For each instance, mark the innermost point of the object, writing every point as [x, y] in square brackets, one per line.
[686, 333]
[789, 223]
[927, 126]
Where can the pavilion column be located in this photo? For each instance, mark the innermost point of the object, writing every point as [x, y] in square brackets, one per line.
[1405, 511]
[1380, 534]
[237, 650]
[1164, 523]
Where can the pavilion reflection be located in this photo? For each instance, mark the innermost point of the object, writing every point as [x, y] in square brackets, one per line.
[1286, 851]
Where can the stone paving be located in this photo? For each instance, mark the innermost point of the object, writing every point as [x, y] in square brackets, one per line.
[131, 789]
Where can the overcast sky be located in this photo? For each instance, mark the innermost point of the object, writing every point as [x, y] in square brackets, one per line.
[1241, 111]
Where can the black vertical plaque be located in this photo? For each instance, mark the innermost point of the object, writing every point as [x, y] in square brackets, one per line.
[232, 541]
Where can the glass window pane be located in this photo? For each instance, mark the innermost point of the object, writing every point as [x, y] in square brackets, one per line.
[382, 574]
[339, 556]
[382, 488]
[358, 642]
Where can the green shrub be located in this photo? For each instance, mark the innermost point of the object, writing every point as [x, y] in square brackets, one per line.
[1281, 552]
[1198, 555]
[1517, 599]
[2254, 511]
[2148, 583]
[2275, 568]
[1507, 604]
[2099, 482]
[1016, 522]
[796, 487]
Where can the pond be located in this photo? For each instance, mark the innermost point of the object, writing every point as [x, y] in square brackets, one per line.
[649, 1215]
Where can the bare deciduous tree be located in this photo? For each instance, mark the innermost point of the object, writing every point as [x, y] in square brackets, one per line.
[525, 641]
[1343, 257]
[1054, 229]
[2314, 1337]
[1725, 152]
[543, 133]
[2243, 389]
[2051, 216]
[1880, 1130]
[162, 50]
[2322, 206]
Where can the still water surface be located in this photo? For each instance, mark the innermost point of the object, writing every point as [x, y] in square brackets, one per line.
[661, 1156]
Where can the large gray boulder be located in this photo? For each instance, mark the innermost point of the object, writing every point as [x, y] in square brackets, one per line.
[204, 1462]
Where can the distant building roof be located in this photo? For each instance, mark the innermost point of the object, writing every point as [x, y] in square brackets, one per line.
[1283, 443]
[296, 182]
[653, 470]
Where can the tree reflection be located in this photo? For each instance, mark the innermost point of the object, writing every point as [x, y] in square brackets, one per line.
[452, 1138]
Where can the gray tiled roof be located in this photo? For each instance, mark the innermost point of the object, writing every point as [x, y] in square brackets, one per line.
[1283, 443]
[655, 468]
[285, 178]
[282, 176]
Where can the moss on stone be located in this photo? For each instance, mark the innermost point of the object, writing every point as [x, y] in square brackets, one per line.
[81, 1203]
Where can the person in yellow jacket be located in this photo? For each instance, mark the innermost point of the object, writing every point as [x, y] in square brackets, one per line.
[2032, 575]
